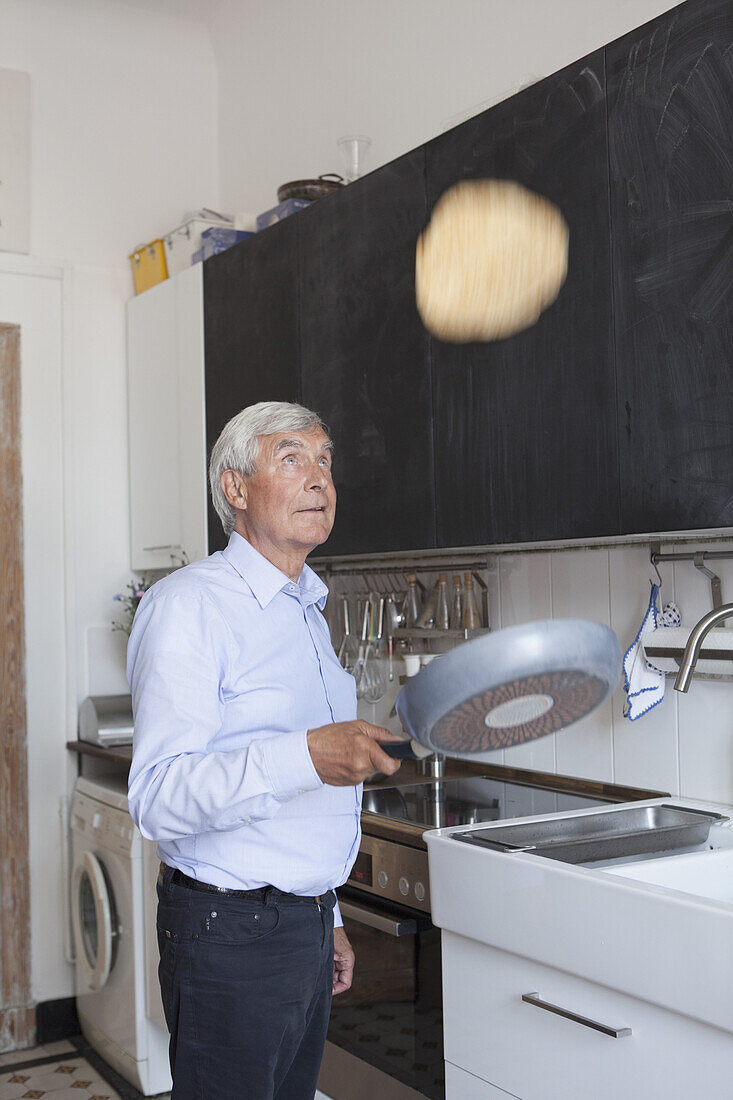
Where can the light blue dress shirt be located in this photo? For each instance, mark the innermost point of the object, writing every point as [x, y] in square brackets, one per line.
[230, 664]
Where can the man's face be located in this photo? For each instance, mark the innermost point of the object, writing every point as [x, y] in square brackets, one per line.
[290, 499]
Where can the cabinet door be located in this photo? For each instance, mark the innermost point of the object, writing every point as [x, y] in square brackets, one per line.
[165, 416]
[251, 331]
[525, 428]
[364, 357]
[670, 91]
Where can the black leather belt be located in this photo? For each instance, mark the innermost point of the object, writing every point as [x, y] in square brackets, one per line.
[260, 894]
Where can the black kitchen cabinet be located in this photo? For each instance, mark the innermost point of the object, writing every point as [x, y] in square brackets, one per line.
[525, 428]
[250, 331]
[613, 414]
[670, 96]
[364, 357]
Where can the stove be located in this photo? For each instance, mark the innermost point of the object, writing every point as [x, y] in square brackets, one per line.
[393, 862]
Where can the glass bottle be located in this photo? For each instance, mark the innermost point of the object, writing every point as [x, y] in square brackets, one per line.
[426, 618]
[442, 618]
[456, 615]
[411, 611]
[471, 616]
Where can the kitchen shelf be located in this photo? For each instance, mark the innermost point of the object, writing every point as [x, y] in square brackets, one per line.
[432, 632]
[117, 754]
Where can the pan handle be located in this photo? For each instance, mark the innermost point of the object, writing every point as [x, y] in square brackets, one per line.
[399, 750]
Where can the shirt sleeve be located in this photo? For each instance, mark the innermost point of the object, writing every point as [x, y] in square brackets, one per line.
[178, 656]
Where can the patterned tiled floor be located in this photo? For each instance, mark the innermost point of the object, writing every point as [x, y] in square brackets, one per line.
[69, 1070]
[57, 1071]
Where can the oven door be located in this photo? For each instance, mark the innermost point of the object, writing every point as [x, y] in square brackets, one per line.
[385, 1037]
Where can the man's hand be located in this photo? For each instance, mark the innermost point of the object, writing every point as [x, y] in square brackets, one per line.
[345, 753]
[343, 962]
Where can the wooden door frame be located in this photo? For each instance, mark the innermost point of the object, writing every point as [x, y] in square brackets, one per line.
[17, 1011]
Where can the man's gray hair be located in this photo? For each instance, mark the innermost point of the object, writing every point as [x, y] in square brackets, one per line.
[238, 445]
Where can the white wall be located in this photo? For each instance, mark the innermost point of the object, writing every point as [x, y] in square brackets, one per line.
[123, 123]
[123, 141]
[294, 77]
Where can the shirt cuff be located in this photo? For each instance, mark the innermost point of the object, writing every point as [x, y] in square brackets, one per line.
[338, 920]
[289, 765]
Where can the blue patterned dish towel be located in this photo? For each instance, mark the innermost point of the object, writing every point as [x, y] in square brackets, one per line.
[643, 684]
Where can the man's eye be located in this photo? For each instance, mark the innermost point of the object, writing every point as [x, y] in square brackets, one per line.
[291, 459]
[325, 462]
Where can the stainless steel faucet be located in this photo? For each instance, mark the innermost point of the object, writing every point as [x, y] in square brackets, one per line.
[694, 644]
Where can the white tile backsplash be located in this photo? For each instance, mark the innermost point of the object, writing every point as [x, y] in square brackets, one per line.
[706, 741]
[526, 587]
[525, 582]
[581, 590]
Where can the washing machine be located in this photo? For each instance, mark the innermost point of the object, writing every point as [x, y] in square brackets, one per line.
[112, 901]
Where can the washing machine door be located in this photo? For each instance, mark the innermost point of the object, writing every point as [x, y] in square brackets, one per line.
[94, 919]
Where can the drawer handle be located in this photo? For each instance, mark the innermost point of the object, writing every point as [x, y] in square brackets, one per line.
[614, 1032]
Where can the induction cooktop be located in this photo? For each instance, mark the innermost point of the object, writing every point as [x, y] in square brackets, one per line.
[465, 801]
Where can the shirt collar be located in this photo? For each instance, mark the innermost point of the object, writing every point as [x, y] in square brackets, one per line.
[265, 580]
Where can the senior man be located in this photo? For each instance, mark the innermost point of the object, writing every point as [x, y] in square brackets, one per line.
[247, 765]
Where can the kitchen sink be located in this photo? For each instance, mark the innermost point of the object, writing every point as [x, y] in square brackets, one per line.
[651, 921]
[614, 833]
[704, 874]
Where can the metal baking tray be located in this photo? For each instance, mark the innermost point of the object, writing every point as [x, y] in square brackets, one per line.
[607, 834]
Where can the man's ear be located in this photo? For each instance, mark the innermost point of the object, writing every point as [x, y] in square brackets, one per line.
[234, 488]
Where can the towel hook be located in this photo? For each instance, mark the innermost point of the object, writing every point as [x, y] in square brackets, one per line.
[715, 587]
[654, 554]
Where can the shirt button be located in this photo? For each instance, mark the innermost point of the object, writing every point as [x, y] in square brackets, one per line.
[292, 588]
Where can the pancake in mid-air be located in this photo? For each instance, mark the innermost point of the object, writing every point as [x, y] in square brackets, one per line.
[493, 257]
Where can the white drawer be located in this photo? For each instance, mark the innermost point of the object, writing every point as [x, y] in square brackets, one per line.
[460, 1085]
[537, 1055]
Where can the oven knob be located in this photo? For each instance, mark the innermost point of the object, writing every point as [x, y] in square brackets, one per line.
[419, 891]
[404, 886]
[382, 879]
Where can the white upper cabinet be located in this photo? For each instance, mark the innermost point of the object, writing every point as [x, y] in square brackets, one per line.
[166, 411]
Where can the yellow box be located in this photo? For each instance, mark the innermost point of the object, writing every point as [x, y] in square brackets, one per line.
[148, 265]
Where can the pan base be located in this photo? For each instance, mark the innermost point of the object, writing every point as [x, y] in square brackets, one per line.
[518, 711]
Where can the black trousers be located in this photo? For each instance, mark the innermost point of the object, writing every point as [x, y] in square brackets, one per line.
[246, 987]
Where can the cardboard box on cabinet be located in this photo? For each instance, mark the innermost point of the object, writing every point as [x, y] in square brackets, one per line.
[277, 213]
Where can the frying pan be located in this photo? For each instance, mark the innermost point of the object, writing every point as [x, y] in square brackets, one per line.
[508, 687]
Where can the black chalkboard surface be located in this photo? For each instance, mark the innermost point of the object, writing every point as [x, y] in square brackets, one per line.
[525, 428]
[670, 96]
[613, 414]
[364, 357]
[251, 332]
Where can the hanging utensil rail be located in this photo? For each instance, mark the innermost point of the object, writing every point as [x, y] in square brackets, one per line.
[698, 557]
